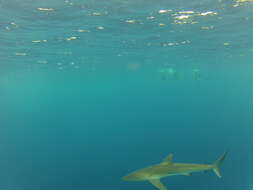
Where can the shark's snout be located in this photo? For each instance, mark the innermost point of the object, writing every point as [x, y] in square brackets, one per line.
[128, 178]
[125, 178]
[133, 177]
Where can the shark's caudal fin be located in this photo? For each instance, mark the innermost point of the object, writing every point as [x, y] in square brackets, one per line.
[217, 163]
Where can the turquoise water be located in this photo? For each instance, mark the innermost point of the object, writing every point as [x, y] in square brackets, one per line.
[92, 90]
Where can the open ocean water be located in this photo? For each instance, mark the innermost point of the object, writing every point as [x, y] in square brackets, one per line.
[91, 90]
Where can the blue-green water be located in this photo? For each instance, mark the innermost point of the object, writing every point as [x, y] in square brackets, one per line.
[92, 90]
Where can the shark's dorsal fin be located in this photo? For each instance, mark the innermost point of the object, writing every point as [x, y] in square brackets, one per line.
[168, 159]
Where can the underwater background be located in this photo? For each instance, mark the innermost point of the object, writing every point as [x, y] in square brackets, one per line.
[91, 90]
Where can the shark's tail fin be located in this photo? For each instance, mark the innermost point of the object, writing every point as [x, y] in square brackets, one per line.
[217, 163]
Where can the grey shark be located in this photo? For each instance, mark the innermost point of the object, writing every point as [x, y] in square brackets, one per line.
[167, 167]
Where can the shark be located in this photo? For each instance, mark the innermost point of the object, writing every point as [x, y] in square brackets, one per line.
[167, 167]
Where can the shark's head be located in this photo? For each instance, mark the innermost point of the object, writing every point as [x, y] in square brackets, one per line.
[137, 176]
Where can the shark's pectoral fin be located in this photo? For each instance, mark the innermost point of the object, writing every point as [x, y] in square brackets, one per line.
[157, 183]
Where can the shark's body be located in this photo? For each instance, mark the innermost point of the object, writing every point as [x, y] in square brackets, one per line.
[169, 168]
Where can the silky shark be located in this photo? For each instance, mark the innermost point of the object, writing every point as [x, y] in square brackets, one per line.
[168, 168]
